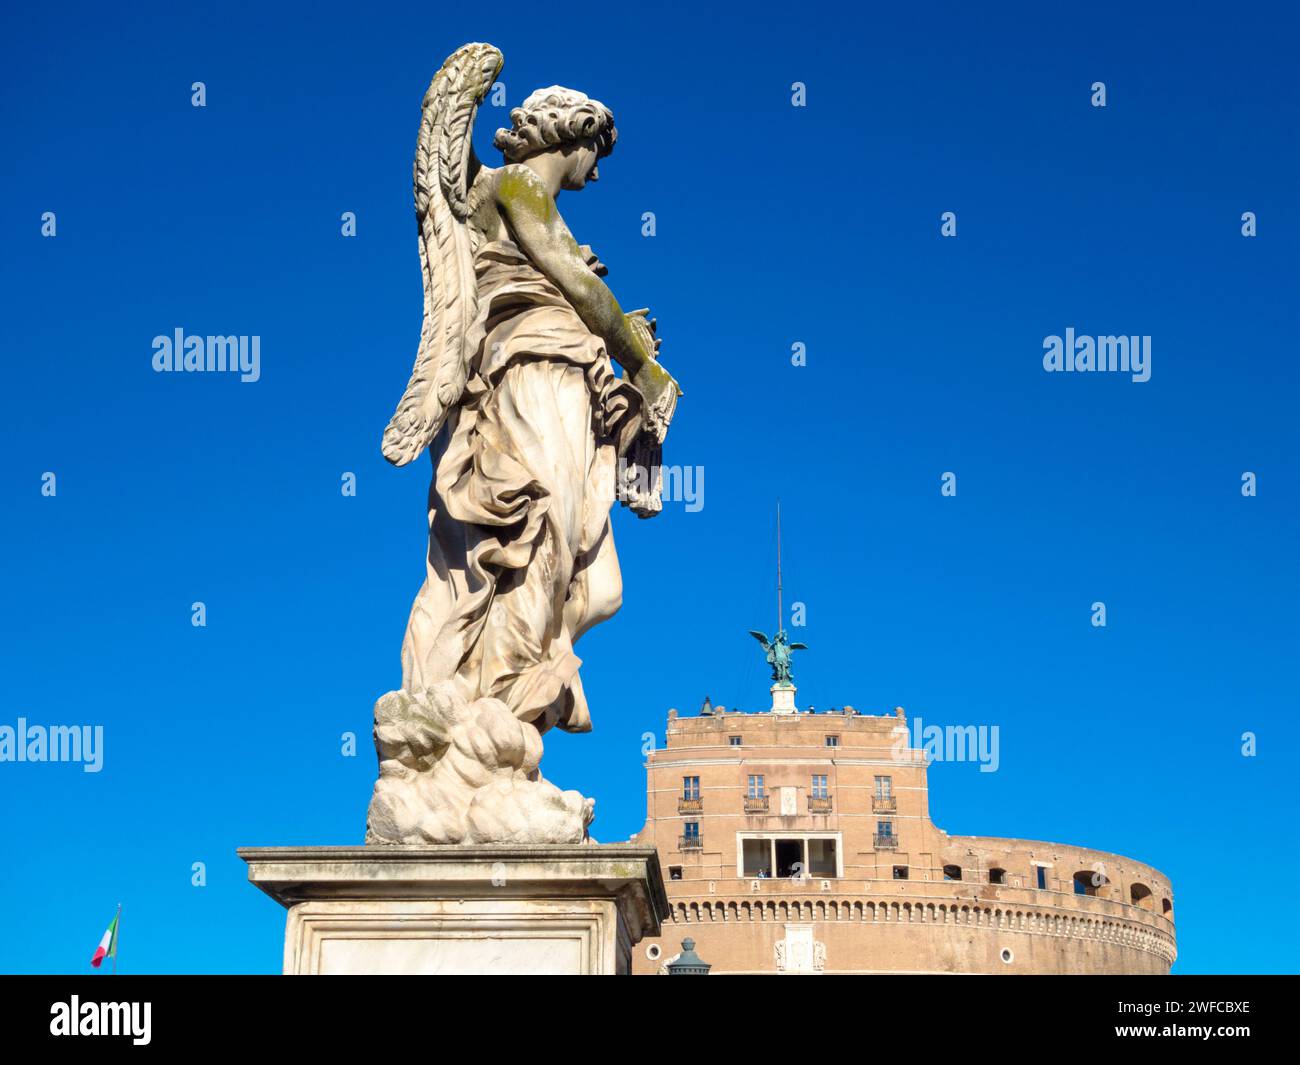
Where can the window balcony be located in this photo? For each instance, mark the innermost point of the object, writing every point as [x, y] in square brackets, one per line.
[883, 804]
[756, 804]
[689, 806]
[690, 843]
[886, 843]
[820, 804]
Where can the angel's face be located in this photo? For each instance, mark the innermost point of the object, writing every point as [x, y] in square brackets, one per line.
[582, 159]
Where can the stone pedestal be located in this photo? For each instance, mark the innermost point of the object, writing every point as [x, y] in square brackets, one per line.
[499, 909]
[783, 699]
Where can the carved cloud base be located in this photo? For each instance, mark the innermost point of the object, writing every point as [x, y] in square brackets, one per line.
[462, 910]
[454, 772]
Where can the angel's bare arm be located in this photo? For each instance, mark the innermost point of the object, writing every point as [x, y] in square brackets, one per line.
[540, 232]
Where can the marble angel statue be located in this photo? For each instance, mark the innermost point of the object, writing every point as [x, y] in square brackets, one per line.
[532, 436]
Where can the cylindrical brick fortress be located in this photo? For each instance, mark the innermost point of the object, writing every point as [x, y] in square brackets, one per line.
[802, 843]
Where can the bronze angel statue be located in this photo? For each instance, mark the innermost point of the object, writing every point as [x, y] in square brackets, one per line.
[532, 435]
[779, 657]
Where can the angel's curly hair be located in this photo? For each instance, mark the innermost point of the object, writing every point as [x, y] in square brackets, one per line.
[556, 116]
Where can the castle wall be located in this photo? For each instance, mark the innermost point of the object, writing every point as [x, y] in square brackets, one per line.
[877, 887]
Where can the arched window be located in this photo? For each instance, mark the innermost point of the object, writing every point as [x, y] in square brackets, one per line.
[997, 876]
[1089, 882]
[952, 872]
[1167, 908]
[1140, 895]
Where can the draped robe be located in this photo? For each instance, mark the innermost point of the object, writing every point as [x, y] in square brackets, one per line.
[521, 555]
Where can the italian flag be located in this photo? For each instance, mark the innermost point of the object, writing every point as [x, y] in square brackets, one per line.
[108, 945]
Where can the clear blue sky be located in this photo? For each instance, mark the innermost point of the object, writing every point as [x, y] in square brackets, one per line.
[776, 225]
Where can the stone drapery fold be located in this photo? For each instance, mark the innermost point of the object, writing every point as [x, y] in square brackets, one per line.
[521, 558]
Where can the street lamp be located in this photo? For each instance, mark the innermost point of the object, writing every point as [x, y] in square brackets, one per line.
[688, 963]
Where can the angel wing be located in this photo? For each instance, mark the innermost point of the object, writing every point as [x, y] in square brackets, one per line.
[798, 647]
[761, 639]
[445, 167]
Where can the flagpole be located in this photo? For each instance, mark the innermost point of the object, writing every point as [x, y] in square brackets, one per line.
[780, 615]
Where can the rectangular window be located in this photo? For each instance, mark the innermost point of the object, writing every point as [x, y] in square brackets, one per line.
[691, 830]
[1042, 877]
[755, 787]
[884, 787]
[821, 857]
[674, 872]
[884, 828]
[790, 860]
[819, 790]
[832, 741]
[734, 741]
[690, 787]
[900, 872]
[756, 855]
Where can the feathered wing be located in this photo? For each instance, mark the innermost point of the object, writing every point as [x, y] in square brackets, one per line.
[761, 638]
[445, 166]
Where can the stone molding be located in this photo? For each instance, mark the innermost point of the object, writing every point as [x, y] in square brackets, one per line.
[913, 911]
[539, 908]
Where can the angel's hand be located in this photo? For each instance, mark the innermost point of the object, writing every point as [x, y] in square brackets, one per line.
[656, 341]
[659, 394]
